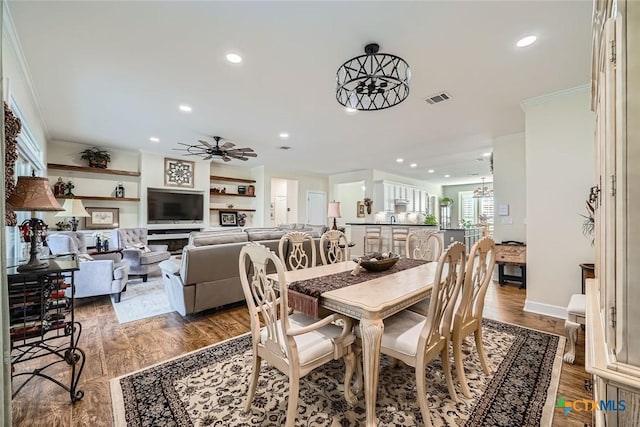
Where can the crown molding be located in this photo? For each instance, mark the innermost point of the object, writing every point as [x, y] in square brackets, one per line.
[554, 95]
[9, 33]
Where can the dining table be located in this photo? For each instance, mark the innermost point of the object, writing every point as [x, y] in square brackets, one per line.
[369, 302]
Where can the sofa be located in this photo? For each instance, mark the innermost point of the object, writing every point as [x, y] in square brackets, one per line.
[206, 274]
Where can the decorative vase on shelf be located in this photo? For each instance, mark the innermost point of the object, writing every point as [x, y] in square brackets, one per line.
[119, 193]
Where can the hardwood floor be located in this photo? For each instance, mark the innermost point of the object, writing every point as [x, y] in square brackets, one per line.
[113, 350]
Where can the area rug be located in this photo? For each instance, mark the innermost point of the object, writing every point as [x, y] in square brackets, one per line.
[142, 300]
[208, 387]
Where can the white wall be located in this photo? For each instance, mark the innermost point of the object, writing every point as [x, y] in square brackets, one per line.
[510, 187]
[559, 172]
[348, 195]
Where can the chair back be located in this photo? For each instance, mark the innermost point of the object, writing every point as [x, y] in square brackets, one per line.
[424, 244]
[268, 307]
[330, 250]
[479, 269]
[296, 258]
[67, 241]
[128, 237]
[446, 287]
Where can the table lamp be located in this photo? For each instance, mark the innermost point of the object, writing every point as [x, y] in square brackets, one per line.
[334, 212]
[33, 194]
[73, 208]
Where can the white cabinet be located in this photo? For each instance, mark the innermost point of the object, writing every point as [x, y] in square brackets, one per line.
[613, 298]
[386, 193]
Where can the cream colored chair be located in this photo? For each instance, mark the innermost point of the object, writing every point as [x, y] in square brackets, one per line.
[399, 240]
[296, 257]
[330, 250]
[415, 339]
[426, 245]
[372, 238]
[294, 344]
[468, 317]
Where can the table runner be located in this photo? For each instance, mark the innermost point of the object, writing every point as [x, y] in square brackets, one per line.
[303, 295]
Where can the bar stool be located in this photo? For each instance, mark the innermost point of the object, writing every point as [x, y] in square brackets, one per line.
[372, 237]
[399, 239]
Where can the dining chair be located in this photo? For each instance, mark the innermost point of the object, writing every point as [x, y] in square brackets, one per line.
[399, 239]
[425, 245]
[293, 253]
[415, 339]
[372, 236]
[330, 250]
[468, 316]
[292, 343]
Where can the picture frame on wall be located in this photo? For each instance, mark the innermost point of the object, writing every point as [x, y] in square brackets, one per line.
[360, 209]
[178, 173]
[228, 219]
[101, 218]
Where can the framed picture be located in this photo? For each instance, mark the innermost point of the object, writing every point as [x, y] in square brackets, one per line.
[178, 173]
[360, 209]
[100, 218]
[229, 219]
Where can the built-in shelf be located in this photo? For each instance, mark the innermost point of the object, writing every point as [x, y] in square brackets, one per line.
[116, 199]
[232, 210]
[228, 179]
[92, 170]
[232, 194]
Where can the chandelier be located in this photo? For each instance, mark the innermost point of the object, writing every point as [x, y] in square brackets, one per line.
[373, 81]
[482, 191]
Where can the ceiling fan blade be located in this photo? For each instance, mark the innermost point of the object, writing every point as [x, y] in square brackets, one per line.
[205, 143]
[250, 154]
[226, 159]
[208, 157]
[227, 144]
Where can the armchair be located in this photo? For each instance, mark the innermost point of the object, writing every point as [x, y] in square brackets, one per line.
[96, 276]
[141, 257]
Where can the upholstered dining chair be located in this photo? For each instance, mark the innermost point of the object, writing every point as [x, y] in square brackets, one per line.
[415, 339]
[330, 250]
[292, 343]
[143, 258]
[293, 249]
[426, 245]
[468, 317]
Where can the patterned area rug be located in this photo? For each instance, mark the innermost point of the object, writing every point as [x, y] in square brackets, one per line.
[142, 300]
[208, 387]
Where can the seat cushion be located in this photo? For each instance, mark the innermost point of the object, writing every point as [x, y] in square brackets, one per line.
[153, 257]
[313, 345]
[577, 304]
[402, 331]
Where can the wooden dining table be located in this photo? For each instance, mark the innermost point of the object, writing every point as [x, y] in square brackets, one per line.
[370, 302]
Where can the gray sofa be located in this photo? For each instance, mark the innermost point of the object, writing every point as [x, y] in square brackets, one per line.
[206, 275]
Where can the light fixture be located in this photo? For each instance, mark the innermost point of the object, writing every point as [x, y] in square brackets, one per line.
[350, 110]
[526, 41]
[225, 150]
[413, 165]
[333, 211]
[73, 208]
[33, 194]
[447, 176]
[185, 108]
[284, 135]
[430, 171]
[486, 154]
[482, 191]
[399, 160]
[154, 139]
[234, 58]
[373, 81]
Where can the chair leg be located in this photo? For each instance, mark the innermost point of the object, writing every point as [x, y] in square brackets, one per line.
[350, 366]
[457, 357]
[144, 278]
[292, 407]
[253, 382]
[116, 297]
[481, 353]
[571, 331]
[358, 385]
[421, 389]
[446, 366]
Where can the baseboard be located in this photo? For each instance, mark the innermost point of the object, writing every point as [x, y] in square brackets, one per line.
[546, 309]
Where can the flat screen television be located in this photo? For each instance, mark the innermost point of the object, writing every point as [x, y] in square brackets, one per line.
[174, 206]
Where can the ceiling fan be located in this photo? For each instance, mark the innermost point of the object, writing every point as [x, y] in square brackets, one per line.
[225, 151]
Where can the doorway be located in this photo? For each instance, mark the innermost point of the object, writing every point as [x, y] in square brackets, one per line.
[316, 207]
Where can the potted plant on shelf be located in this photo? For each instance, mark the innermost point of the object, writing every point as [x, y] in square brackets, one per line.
[97, 157]
[446, 201]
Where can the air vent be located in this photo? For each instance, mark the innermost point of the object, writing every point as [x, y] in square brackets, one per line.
[442, 96]
[285, 147]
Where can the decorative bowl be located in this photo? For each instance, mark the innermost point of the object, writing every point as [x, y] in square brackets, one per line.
[380, 264]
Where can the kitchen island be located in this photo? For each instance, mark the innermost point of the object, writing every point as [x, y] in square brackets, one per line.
[355, 232]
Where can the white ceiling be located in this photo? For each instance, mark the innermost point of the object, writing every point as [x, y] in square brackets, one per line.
[113, 73]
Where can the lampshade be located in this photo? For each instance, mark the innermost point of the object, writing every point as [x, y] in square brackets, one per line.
[33, 194]
[73, 207]
[334, 210]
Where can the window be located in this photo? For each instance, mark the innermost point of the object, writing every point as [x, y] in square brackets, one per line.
[475, 210]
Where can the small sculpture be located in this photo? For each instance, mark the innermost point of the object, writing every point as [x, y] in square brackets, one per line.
[223, 191]
[59, 187]
[357, 269]
[119, 193]
[242, 219]
[69, 188]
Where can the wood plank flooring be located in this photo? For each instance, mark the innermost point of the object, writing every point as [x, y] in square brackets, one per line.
[113, 350]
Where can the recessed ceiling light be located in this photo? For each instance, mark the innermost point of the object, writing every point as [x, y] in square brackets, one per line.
[154, 139]
[399, 160]
[284, 135]
[430, 171]
[185, 108]
[413, 165]
[486, 154]
[526, 41]
[234, 58]
[447, 176]
[350, 110]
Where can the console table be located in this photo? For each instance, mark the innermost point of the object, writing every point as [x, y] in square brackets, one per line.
[513, 254]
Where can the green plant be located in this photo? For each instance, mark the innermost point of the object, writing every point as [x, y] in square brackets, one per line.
[430, 220]
[466, 224]
[96, 156]
[446, 201]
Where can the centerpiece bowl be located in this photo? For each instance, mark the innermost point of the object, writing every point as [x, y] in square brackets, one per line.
[377, 261]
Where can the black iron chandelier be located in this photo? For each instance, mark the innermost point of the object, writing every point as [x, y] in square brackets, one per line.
[373, 81]
[225, 151]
